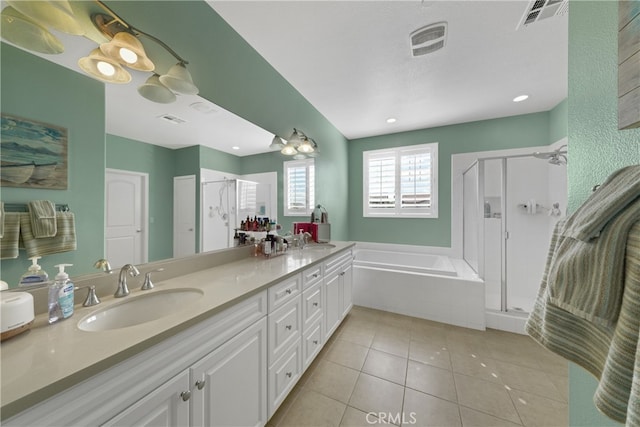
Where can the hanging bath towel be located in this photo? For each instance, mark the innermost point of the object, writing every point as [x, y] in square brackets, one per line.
[43, 218]
[9, 241]
[63, 241]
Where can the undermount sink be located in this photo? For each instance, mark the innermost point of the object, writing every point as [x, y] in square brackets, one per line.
[139, 309]
[319, 246]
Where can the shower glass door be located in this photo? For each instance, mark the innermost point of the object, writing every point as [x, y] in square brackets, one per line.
[471, 221]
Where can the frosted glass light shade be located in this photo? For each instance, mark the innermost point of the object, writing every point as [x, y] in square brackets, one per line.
[155, 91]
[306, 147]
[178, 79]
[104, 68]
[294, 140]
[276, 144]
[127, 49]
[289, 150]
[27, 33]
[56, 14]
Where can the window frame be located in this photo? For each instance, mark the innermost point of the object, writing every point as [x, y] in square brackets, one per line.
[397, 211]
[309, 186]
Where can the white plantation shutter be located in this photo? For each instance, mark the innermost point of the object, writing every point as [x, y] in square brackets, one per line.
[401, 182]
[299, 189]
[248, 195]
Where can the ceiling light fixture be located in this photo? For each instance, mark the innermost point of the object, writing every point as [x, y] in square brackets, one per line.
[28, 33]
[298, 145]
[235, 147]
[155, 91]
[391, 120]
[104, 68]
[520, 98]
[56, 14]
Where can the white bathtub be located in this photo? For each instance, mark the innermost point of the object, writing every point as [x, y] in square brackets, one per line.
[406, 261]
[423, 285]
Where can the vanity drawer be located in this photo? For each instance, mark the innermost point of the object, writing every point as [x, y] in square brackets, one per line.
[284, 291]
[311, 276]
[284, 328]
[312, 343]
[283, 375]
[334, 263]
[311, 305]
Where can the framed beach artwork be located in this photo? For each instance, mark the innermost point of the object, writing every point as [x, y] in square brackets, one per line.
[32, 154]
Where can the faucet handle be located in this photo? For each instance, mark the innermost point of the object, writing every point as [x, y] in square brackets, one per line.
[147, 279]
[92, 298]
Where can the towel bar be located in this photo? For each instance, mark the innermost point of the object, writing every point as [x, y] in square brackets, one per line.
[22, 207]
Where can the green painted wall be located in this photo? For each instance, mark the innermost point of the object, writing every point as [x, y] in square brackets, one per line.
[158, 162]
[596, 146]
[509, 132]
[558, 122]
[36, 89]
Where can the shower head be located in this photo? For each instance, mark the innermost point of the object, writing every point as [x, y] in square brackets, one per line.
[556, 157]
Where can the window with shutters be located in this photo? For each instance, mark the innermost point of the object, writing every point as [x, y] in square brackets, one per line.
[299, 187]
[401, 182]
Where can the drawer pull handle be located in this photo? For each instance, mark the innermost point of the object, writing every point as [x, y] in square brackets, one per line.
[185, 395]
[288, 291]
[315, 304]
[343, 273]
[200, 384]
[315, 342]
[288, 327]
[288, 374]
[314, 275]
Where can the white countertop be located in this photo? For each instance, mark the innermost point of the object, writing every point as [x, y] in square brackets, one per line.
[51, 358]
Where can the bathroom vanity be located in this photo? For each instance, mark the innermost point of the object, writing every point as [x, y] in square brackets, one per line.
[228, 357]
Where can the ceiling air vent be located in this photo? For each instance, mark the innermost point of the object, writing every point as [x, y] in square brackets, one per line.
[538, 10]
[428, 39]
[172, 119]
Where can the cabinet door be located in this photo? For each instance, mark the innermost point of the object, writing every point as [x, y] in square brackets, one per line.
[347, 288]
[230, 384]
[166, 406]
[333, 304]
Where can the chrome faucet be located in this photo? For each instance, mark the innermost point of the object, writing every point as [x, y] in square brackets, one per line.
[123, 290]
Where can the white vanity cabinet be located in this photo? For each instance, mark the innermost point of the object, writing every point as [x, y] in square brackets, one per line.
[338, 284]
[166, 406]
[229, 385]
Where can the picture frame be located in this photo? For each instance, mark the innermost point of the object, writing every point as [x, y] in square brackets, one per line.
[33, 154]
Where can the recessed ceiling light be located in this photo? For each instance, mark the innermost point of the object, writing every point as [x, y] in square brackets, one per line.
[235, 147]
[391, 120]
[520, 98]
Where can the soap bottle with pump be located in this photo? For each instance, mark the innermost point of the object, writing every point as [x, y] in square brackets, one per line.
[61, 297]
[35, 275]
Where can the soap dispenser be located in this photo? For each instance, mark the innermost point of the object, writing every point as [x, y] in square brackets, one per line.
[61, 297]
[35, 275]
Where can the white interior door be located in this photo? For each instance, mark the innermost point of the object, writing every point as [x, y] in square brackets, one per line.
[126, 226]
[184, 215]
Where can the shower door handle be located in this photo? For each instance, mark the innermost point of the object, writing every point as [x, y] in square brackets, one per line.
[506, 235]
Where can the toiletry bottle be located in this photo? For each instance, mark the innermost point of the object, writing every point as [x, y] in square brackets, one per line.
[61, 296]
[35, 275]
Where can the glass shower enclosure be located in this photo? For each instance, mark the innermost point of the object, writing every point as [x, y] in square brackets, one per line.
[510, 206]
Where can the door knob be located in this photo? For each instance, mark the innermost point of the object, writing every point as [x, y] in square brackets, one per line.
[185, 395]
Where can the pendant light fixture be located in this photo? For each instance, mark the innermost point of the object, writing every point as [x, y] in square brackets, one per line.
[155, 91]
[27, 33]
[56, 14]
[306, 147]
[298, 145]
[104, 68]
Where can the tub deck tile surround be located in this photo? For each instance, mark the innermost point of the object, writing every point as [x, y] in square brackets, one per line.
[477, 388]
[51, 358]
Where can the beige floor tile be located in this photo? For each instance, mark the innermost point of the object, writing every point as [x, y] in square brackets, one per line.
[529, 380]
[358, 335]
[431, 380]
[396, 320]
[427, 331]
[347, 354]
[391, 344]
[539, 411]
[486, 397]
[356, 418]
[373, 394]
[284, 406]
[313, 409]
[430, 353]
[467, 343]
[428, 411]
[394, 331]
[472, 418]
[386, 366]
[562, 384]
[475, 366]
[333, 380]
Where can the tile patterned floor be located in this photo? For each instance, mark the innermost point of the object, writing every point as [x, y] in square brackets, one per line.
[414, 372]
